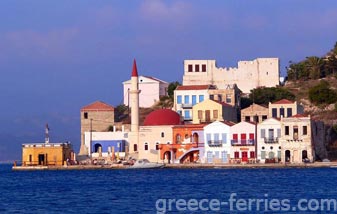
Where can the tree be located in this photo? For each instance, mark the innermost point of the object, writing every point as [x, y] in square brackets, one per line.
[314, 65]
[322, 94]
[265, 95]
[172, 86]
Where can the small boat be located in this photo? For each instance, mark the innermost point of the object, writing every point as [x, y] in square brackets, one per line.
[146, 164]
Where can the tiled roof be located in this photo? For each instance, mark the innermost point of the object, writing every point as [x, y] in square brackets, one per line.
[229, 123]
[194, 87]
[283, 101]
[98, 106]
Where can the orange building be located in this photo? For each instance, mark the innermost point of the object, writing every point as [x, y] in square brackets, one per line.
[186, 143]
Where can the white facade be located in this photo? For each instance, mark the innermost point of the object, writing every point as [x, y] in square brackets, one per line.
[151, 89]
[268, 144]
[217, 144]
[296, 139]
[243, 142]
[248, 75]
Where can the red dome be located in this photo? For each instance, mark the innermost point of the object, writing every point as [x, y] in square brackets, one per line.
[162, 117]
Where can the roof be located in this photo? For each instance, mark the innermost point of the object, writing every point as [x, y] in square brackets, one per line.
[98, 106]
[254, 106]
[152, 79]
[222, 103]
[134, 69]
[162, 117]
[283, 101]
[229, 123]
[156, 79]
[195, 87]
[191, 126]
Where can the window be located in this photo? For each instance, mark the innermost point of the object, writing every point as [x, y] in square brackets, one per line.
[215, 114]
[247, 118]
[30, 158]
[203, 67]
[178, 138]
[201, 98]
[281, 112]
[236, 155]
[263, 133]
[194, 100]
[256, 119]
[146, 146]
[200, 114]
[224, 138]
[252, 154]
[211, 97]
[305, 130]
[286, 130]
[278, 132]
[208, 137]
[162, 134]
[157, 146]
[197, 68]
[85, 115]
[135, 148]
[289, 112]
[186, 99]
[228, 98]
[264, 117]
[219, 97]
[274, 112]
[187, 114]
[179, 99]
[190, 68]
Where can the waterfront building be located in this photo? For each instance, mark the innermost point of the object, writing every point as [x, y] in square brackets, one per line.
[151, 90]
[210, 110]
[296, 139]
[187, 144]
[95, 117]
[247, 76]
[268, 141]
[217, 142]
[157, 130]
[284, 108]
[243, 142]
[254, 113]
[107, 146]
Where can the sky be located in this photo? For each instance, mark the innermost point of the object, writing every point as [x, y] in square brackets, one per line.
[58, 56]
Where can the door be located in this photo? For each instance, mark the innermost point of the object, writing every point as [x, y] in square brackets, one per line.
[224, 157]
[208, 115]
[243, 139]
[244, 156]
[41, 159]
[209, 157]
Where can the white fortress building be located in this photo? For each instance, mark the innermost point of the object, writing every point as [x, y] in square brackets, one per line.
[248, 75]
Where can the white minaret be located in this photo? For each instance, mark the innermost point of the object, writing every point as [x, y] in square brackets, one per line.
[134, 101]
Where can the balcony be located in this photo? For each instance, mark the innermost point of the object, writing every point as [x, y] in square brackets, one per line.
[186, 106]
[249, 142]
[214, 143]
[270, 140]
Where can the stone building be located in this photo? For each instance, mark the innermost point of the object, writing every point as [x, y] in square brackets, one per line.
[254, 113]
[95, 117]
[247, 76]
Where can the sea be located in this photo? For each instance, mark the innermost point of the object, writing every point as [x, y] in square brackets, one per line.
[256, 190]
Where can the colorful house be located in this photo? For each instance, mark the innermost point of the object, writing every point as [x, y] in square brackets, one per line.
[268, 141]
[243, 142]
[217, 142]
[284, 108]
[254, 113]
[296, 139]
[210, 110]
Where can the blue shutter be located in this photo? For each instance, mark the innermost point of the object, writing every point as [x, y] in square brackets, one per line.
[194, 99]
[186, 99]
[201, 98]
[179, 99]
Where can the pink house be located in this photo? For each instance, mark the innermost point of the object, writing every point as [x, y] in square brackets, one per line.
[243, 142]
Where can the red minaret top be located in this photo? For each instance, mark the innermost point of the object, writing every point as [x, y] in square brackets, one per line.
[134, 69]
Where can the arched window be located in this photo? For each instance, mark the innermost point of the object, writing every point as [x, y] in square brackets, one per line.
[146, 146]
[162, 134]
[135, 147]
[157, 146]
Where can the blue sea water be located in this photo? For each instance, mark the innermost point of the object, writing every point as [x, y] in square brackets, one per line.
[149, 191]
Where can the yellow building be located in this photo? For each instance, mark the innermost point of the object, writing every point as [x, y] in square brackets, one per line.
[210, 110]
[284, 108]
[46, 154]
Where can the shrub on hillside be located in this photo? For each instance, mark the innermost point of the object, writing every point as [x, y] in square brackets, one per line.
[322, 94]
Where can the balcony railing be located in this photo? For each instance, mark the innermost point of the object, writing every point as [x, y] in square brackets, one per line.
[249, 142]
[214, 143]
[270, 140]
[186, 105]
